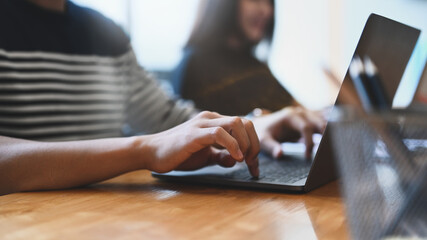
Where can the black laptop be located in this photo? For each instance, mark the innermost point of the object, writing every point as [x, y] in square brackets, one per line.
[389, 44]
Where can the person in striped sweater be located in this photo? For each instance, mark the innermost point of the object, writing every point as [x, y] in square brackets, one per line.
[76, 108]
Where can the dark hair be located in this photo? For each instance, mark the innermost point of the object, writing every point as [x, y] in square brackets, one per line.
[217, 20]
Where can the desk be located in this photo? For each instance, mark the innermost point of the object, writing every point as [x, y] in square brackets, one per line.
[137, 206]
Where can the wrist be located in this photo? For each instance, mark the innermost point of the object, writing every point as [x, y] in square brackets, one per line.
[140, 151]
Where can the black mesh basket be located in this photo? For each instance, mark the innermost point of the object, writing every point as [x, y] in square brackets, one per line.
[382, 161]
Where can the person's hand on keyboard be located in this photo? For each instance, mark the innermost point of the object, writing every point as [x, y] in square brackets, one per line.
[288, 124]
[207, 139]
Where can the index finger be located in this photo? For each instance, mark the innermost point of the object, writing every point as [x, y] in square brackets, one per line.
[254, 149]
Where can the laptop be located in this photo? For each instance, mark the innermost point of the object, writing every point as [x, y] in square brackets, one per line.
[389, 44]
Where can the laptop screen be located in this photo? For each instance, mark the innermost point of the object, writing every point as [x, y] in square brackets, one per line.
[388, 45]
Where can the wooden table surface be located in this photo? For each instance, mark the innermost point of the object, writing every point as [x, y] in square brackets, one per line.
[138, 206]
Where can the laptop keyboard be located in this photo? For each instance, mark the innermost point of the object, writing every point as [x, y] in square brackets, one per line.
[286, 170]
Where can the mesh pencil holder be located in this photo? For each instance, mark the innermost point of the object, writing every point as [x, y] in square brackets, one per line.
[382, 161]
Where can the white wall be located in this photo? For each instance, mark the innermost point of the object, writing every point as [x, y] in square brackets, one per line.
[160, 29]
[301, 49]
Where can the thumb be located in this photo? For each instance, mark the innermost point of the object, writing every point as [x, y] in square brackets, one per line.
[272, 146]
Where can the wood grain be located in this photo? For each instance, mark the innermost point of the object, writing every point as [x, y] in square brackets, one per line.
[137, 206]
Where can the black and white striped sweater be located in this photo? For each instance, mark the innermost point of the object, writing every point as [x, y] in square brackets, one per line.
[73, 76]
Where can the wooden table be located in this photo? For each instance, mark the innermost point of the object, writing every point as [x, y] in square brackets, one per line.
[137, 206]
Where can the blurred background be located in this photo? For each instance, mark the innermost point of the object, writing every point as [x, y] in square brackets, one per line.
[311, 37]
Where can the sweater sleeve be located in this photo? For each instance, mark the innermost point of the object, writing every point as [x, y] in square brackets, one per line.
[149, 108]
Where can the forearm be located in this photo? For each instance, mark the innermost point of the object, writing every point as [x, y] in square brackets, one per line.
[28, 165]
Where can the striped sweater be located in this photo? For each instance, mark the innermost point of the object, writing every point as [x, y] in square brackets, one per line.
[74, 76]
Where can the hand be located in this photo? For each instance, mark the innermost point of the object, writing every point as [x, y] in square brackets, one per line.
[207, 139]
[288, 124]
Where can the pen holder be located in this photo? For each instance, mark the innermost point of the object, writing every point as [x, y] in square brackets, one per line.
[382, 162]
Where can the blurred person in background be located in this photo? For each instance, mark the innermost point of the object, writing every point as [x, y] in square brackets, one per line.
[219, 71]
